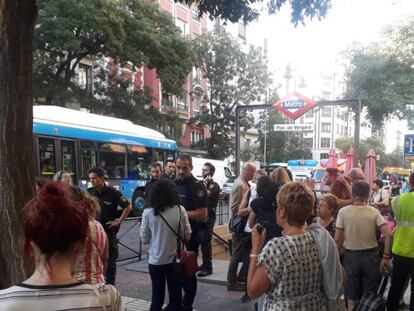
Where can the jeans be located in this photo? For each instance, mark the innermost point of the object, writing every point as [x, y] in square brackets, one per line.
[205, 236]
[160, 273]
[190, 284]
[113, 256]
[363, 272]
[401, 269]
[239, 241]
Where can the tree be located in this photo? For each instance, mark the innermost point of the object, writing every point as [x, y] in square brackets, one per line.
[345, 143]
[381, 75]
[16, 170]
[233, 78]
[235, 10]
[16, 117]
[137, 32]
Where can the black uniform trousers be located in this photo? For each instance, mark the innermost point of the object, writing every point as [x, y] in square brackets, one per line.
[189, 285]
[113, 256]
[402, 268]
[205, 236]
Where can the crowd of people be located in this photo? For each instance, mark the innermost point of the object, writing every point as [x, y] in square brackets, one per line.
[298, 249]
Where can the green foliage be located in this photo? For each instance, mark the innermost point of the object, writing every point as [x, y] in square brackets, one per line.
[280, 146]
[235, 10]
[234, 78]
[382, 76]
[345, 143]
[68, 31]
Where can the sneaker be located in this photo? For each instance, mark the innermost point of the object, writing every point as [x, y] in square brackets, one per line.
[204, 272]
[237, 287]
[245, 298]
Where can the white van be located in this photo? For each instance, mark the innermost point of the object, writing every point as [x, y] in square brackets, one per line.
[221, 175]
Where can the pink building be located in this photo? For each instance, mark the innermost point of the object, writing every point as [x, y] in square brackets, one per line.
[187, 20]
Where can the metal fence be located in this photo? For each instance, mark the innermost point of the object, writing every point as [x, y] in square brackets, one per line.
[222, 212]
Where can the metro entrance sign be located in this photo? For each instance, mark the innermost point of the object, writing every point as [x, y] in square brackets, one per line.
[294, 105]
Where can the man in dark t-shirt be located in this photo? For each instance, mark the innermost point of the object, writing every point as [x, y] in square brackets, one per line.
[193, 197]
[109, 199]
[156, 170]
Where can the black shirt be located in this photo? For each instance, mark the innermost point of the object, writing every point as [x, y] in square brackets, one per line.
[192, 194]
[266, 216]
[109, 200]
[212, 200]
[148, 188]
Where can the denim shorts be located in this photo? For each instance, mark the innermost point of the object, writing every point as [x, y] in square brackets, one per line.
[363, 272]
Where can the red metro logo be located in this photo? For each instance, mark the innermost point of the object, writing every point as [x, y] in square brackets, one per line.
[294, 105]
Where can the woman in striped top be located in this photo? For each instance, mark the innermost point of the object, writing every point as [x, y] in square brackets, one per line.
[55, 230]
[93, 260]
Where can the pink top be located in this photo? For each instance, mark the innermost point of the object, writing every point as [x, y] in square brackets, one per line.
[90, 267]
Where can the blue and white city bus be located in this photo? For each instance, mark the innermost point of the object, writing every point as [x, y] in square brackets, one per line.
[301, 169]
[76, 141]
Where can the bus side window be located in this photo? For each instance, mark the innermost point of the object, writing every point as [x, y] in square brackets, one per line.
[139, 162]
[87, 157]
[47, 157]
[112, 159]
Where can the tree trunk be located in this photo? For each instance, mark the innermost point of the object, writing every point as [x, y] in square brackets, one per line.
[16, 116]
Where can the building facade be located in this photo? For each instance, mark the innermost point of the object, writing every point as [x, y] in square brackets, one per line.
[190, 104]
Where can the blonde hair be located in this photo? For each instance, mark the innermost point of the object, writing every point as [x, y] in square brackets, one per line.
[280, 176]
[331, 201]
[298, 201]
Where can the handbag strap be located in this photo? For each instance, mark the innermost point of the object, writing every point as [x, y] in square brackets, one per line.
[99, 296]
[179, 237]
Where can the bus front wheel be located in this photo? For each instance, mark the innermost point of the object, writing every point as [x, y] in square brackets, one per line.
[137, 203]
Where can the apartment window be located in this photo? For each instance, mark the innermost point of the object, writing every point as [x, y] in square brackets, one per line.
[196, 13]
[195, 137]
[182, 26]
[325, 142]
[242, 30]
[85, 77]
[309, 114]
[197, 103]
[182, 102]
[326, 112]
[308, 142]
[324, 156]
[196, 75]
[337, 129]
[325, 127]
[166, 100]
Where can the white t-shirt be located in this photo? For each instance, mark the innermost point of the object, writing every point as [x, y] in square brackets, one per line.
[359, 223]
[75, 297]
[163, 242]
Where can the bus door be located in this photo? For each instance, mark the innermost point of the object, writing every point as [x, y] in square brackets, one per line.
[46, 157]
[68, 158]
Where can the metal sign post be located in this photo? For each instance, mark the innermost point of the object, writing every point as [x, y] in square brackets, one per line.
[294, 103]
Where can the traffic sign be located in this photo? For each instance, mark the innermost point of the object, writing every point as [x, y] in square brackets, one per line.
[409, 148]
[293, 127]
[294, 105]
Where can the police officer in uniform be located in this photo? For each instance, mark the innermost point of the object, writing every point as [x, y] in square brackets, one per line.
[194, 199]
[205, 234]
[109, 199]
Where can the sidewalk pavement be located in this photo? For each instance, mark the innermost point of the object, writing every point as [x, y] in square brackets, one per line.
[134, 284]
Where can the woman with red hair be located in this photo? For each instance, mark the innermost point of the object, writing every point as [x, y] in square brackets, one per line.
[55, 230]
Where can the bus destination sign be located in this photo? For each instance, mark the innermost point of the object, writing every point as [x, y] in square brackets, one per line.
[294, 105]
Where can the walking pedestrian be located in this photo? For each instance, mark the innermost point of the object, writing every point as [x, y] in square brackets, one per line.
[240, 238]
[402, 248]
[55, 229]
[206, 233]
[193, 197]
[164, 211]
[109, 199]
[356, 227]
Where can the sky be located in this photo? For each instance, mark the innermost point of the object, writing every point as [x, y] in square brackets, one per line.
[317, 45]
[315, 49]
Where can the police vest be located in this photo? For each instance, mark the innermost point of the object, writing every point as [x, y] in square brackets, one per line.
[403, 209]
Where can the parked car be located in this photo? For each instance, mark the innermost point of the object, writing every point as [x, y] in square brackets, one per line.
[228, 185]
